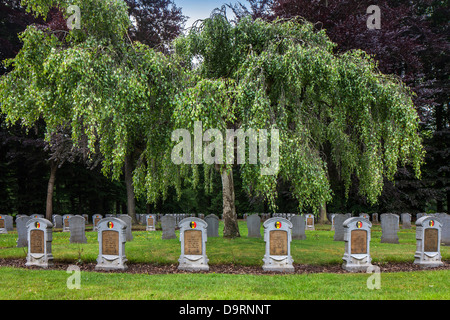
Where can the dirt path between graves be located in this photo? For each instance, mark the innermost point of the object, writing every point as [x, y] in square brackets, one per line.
[143, 268]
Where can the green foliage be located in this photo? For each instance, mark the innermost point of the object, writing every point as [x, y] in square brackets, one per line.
[255, 74]
[284, 75]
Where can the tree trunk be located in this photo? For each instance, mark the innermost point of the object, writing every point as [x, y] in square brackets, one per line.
[323, 214]
[231, 228]
[50, 187]
[130, 191]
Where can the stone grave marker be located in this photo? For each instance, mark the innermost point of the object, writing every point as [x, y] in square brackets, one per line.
[309, 221]
[389, 228]
[39, 235]
[277, 235]
[66, 224]
[339, 230]
[212, 222]
[298, 227]
[365, 216]
[420, 215]
[254, 226]
[9, 222]
[77, 227]
[406, 221]
[444, 219]
[37, 216]
[428, 236]
[193, 237]
[96, 219]
[22, 235]
[357, 244]
[168, 227]
[151, 222]
[111, 239]
[374, 217]
[57, 221]
[127, 219]
[3, 229]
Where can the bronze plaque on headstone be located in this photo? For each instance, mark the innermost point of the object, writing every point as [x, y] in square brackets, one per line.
[431, 240]
[193, 242]
[278, 243]
[359, 241]
[2, 223]
[110, 242]
[309, 221]
[150, 221]
[37, 241]
[66, 222]
[96, 220]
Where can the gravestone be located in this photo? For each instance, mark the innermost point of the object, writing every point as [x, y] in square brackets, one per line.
[339, 230]
[66, 224]
[111, 239]
[420, 215]
[374, 217]
[389, 228]
[150, 222]
[406, 221]
[445, 229]
[428, 236]
[298, 227]
[193, 237]
[39, 236]
[21, 227]
[168, 227]
[57, 221]
[365, 216]
[309, 221]
[357, 242]
[86, 218]
[77, 227]
[95, 220]
[3, 225]
[9, 222]
[127, 219]
[212, 222]
[37, 216]
[254, 226]
[277, 235]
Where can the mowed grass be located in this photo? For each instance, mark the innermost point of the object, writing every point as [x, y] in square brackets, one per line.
[148, 247]
[24, 284]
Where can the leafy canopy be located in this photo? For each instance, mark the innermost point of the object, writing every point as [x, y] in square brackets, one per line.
[253, 74]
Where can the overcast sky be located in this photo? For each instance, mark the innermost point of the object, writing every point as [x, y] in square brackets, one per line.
[201, 9]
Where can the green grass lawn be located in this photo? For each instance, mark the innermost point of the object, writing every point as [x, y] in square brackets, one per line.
[148, 247]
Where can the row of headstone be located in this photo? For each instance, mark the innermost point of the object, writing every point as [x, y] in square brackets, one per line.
[112, 236]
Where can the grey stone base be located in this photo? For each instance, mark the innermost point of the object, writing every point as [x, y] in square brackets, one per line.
[186, 267]
[43, 263]
[287, 269]
[356, 268]
[109, 267]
